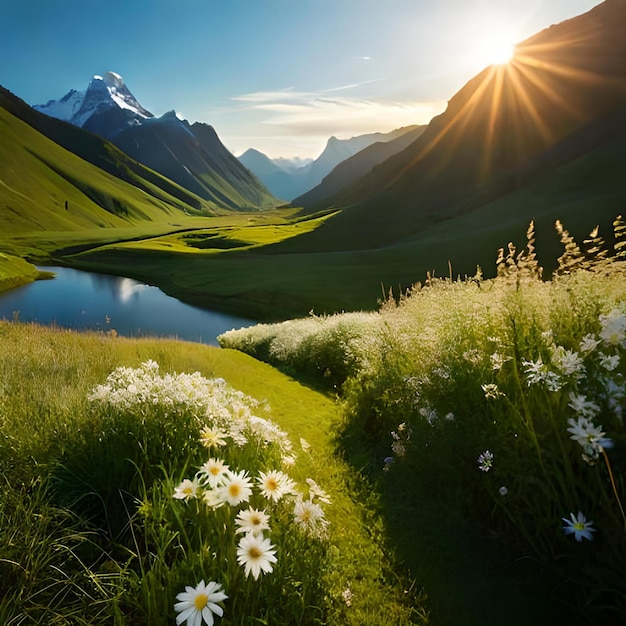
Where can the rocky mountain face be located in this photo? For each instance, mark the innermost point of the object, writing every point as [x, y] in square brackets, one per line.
[106, 107]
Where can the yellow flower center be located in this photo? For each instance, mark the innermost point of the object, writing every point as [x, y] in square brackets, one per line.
[271, 484]
[215, 471]
[234, 490]
[579, 526]
[200, 601]
[254, 553]
[305, 516]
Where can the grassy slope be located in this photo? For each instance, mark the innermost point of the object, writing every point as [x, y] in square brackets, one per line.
[101, 153]
[47, 373]
[38, 177]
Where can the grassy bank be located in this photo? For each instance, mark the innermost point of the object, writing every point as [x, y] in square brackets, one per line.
[488, 415]
[90, 532]
[15, 271]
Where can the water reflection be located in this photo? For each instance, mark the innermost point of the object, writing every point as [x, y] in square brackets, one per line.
[119, 287]
[85, 300]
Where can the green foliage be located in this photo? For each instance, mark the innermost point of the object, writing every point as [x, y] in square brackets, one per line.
[89, 530]
[498, 375]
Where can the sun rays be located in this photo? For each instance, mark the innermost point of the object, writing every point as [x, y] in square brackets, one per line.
[512, 111]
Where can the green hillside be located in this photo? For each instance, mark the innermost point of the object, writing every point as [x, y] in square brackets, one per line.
[47, 188]
[100, 152]
[504, 128]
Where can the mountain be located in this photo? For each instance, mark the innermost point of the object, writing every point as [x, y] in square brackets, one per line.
[106, 107]
[289, 182]
[193, 156]
[190, 155]
[283, 182]
[355, 167]
[48, 187]
[101, 153]
[496, 135]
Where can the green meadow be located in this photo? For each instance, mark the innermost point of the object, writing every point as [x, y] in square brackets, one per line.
[90, 531]
[455, 456]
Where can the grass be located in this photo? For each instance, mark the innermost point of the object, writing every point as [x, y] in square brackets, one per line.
[89, 531]
[461, 370]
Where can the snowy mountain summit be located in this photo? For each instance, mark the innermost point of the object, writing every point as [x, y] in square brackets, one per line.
[106, 107]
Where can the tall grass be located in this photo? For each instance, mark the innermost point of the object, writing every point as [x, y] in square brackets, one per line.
[97, 440]
[492, 408]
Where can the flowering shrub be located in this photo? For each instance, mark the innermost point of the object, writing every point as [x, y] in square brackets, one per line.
[240, 516]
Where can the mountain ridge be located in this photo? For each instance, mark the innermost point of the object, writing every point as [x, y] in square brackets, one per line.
[288, 184]
[167, 144]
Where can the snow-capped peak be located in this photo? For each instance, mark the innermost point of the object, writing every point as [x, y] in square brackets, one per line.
[104, 93]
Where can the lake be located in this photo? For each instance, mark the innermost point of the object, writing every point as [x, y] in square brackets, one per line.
[89, 301]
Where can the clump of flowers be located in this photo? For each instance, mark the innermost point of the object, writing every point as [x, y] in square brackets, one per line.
[485, 461]
[227, 510]
[222, 413]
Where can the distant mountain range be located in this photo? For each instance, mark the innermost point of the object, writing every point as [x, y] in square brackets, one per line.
[288, 182]
[190, 155]
[358, 165]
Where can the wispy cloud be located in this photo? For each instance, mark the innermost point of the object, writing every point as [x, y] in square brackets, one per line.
[312, 113]
[294, 122]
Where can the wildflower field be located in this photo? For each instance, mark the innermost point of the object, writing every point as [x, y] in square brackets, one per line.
[164, 482]
[488, 415]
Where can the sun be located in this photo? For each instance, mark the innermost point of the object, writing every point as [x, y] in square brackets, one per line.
[495, 49]
[492, 43]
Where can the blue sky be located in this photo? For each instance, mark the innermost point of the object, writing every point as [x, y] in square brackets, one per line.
[281, 76]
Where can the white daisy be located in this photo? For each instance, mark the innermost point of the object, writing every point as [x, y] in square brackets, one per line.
[199, 604]
[210, 438]
[187, 490]
[275, 484]
[579, 527]
[213, 471]
[255, 554]
[236, 488]
[252, 521]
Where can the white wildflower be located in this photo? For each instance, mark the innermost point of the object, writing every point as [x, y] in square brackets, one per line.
[582, 406]
[613, 331]
[498, 360]
[609, 362]
[485, 461]
[588, 344]
[491, 391]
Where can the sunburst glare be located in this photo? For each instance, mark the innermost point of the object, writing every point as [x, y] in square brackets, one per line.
[494, 49]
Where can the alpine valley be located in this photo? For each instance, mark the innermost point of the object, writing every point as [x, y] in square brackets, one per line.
[95, 180]
[420, 421]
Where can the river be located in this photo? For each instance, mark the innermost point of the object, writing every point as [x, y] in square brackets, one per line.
[88, 301]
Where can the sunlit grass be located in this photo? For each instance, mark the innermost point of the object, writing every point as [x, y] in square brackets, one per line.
[90, 532]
